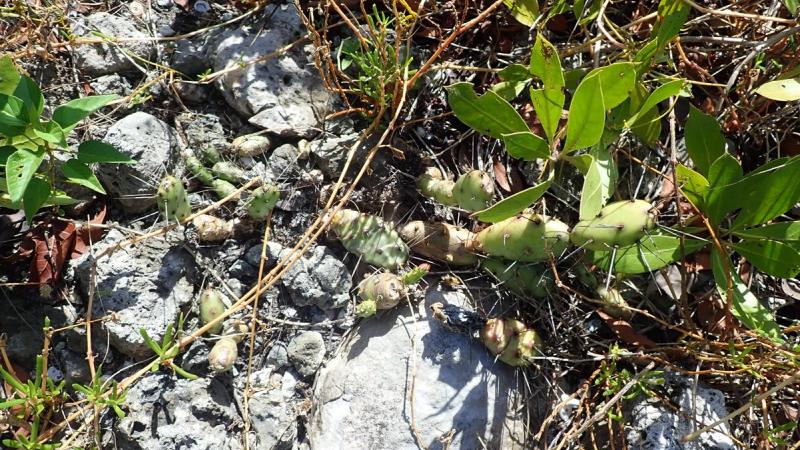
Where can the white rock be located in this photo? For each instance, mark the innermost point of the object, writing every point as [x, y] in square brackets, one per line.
[362, 395]
[102, 59]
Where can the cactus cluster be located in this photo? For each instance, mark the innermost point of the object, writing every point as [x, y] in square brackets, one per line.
[616, 225]
[370, 237]
[525, 280]
[172, 199]
[440, 242]
[511, 340]
[472, 191]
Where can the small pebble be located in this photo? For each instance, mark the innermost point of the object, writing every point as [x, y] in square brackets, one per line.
[201, 7]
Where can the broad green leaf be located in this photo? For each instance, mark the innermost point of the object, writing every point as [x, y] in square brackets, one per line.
[20, 168]
[100, 152]
[651, 253]
[526, 146]
[593, 192]
[616, 81]
[35, 197]
[661, 93]
[13, 118]
[693, 185]
[488, 114]
[771, 257]
[649, 127]
[645, 56]
[28, 91]
[782, 231]
[746, 306]
[587, 115]
[514, 204]
[723, 172]
[525, 11]
[9, 76]
[781, 90]
[509, 90]
[672, 14]
[71, 113]
[79, 173]
[548, 102]
[514, 72]
[765, 193]
[704, 140]
[51, 132]
[792, 6]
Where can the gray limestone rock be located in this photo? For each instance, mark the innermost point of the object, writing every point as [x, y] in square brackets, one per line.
[102, 59]
[306, 352]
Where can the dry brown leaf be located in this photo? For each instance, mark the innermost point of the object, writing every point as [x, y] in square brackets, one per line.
[625, 331]
[87, 234]
[500, 175]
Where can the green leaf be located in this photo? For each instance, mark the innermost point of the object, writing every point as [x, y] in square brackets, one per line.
[9, 76]
[526, 146]
[599, 181]
[693, 185]
[35, 197]
[100, 152]
[771, 257]
[792, 6]
[525, 11]
[151, 343]
[20, 168]
[549, 101]
[765, 193]
[514, 204]
[514, 72]
[649, 127]
[672, 14]
[51, 132]
[71, 113]
[5, 152]
[781, 90]
[746, 306]
[723, 172]
[704, 140]
[782, 231]
[13, 118]
[651, 253]
[28, 91]
[663, 92]
[79, 173]
[488, 114]
[509, 90]
[616, 81]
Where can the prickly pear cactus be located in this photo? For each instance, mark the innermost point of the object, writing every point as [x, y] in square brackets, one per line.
[440, 241]
[385, 289]
[223, 355]
[172, 199]
[262, 201]
[511, 340]
[212, 229]
[210, 155]
[197, 170]
[367, 309]
[613, 303]
[250, 145]
[223, 188]
[229, 171]
[525, 280]
[211, 307]
[370, 237]
[474, 190]
[432, 184]
[617, 225]
[525, 237]
[585, 276]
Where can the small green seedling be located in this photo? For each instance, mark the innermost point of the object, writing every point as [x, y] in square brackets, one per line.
[97, 393]
[167, 350]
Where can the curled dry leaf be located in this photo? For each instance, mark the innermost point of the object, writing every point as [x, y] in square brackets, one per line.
[50, 243]
[625, 331]
[89, 233]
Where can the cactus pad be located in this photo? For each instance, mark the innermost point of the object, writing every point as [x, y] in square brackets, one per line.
[525, 237]
[617, 225]
[211, 307]
[432, 184]
[223, 355]
[525, 280]
[474, 190]
[440, 241]
[212, 229]
[229, 171]
[172, 199]
[262, 201]
[511, 340]
[370, 237]
[385, 289]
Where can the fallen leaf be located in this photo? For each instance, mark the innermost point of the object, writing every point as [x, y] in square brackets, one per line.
[88, 234]
[500, 175]
[625, 331]
[50, 243]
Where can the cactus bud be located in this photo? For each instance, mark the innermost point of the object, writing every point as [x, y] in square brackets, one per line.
[212, 229]
[617, 225]
[229, 171]
[223, 355]
[172, 199]
[440, 242]
[367, 309]
[526, 237]
[250, 145]
[432, 184]
[385, 289]
[262, 201]
[474, 190]
[211, 307]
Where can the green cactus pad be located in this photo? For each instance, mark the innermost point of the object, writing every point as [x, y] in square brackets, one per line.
[229, 171]
[370, 237]
[521, 349]
[525, 237]
[432, 184]
[385, 289]
[211, 307]
[199, 171]
[172, 199]
[474, 190]
[525, 280]
[440, 241]
[367, 309]
[210, 155]
[262, 200]
[223, 189]
[618, 224]
[223, 355]
[613, 303]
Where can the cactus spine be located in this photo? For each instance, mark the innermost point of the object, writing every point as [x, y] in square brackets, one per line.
[526, 238]
[433, 185]
[474, 190]
[525, 280]
[172, 199]
[511, 340]
[617, 225]
[211, 307]
[440, 242]
[370, 237]
[262, 200]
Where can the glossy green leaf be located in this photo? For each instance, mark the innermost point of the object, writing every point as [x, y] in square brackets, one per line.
[28, 91]
[71, 113]
[782, 231]
[771, 257]
[765, 193]
[648, 129]
[548, 102]
[9, 76]
[525, 11]
[693, 185]
[13, 118]
[660, 94]
[514, 72]
[20, 168]
[100, 152]
[35, 197]
[672, 14]
[723, 172]
[616, 81]
[488, 114]
[51, 132]
[651, 253]
[509, 90]
[515, 204]
[704, 139]
[746, 306]
[79, 173]
[526, 146]
[781, 90]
